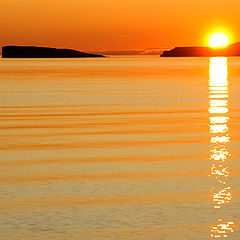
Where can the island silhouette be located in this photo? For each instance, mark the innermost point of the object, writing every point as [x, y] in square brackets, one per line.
[42, 52]
[229, 51]
[48, 52]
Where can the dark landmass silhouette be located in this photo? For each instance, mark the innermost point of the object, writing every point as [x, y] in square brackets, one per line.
[229, 51]
[144, 51]
[119, 52]
[42, 52]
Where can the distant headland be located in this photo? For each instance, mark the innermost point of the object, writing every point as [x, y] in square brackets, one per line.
[229, 51]
[42, 52]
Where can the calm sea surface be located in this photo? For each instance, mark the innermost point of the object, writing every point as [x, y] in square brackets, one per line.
[132, 148]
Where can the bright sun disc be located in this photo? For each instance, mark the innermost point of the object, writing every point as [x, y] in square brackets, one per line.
[218, 40]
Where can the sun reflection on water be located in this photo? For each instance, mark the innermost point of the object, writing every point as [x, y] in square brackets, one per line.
[218, 128]
[222, 230]
[219, 139]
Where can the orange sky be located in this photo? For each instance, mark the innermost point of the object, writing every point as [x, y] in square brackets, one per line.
[115, 24]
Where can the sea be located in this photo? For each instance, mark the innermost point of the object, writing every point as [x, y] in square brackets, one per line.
[120, 148]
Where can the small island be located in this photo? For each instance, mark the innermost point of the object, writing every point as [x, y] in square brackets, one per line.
[229, 51]
[43, 52]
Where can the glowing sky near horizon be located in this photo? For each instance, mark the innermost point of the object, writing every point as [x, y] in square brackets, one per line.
[116, 25]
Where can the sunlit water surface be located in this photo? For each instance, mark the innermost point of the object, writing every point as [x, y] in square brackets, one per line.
[120, 148]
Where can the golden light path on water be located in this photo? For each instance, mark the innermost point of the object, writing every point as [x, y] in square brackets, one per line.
[219, 139]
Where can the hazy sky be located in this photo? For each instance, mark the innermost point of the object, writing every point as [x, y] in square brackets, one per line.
[115, 24]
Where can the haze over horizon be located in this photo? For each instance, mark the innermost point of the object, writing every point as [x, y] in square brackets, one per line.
[110, 25]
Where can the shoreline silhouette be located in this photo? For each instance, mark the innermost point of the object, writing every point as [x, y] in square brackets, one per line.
[43, 52]
[49, 52]
[229, 51]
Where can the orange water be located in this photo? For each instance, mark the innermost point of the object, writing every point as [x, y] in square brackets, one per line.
[119, 148]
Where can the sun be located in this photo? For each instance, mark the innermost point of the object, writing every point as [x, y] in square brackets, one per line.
[218, 40]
